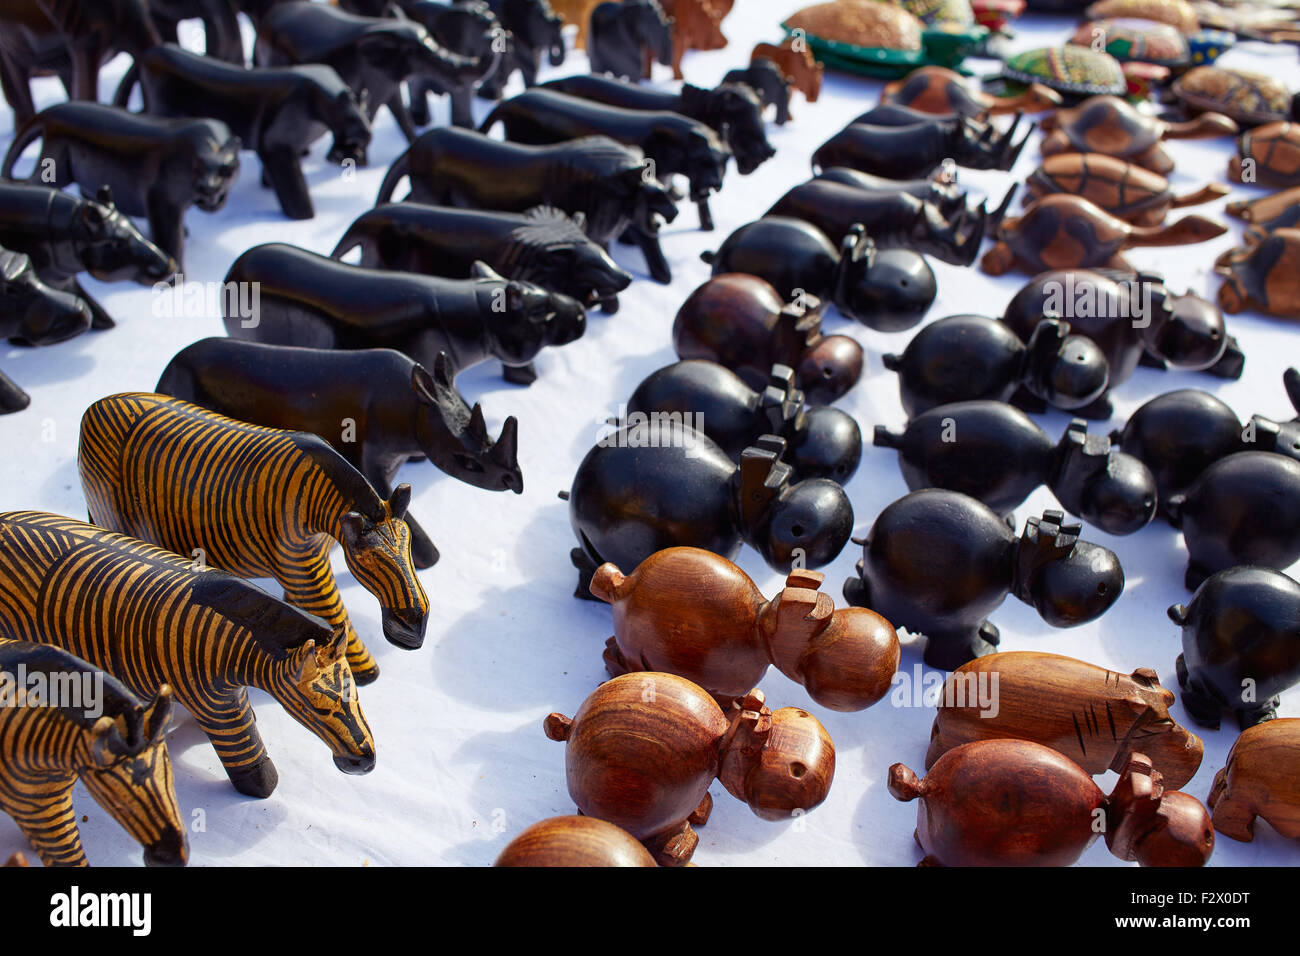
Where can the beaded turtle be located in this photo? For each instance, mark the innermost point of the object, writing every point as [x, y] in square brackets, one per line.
[1136, 40]
[1176, 13]
[1073, 71]
[1251, 99]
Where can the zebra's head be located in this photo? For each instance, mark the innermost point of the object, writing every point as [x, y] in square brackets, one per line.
[129, 773]
[377, 549]
[314, 684]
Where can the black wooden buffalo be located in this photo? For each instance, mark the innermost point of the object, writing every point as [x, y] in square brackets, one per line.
[70, 38]
[672, 142]
[771, 85]
[603, 180]
[155, 167]
[732, 110]
[471, 28]
[65, 235]
[373, 55]
[313, 301]
[276, 111]
[543, 245]
[397, 410]
[536, 29]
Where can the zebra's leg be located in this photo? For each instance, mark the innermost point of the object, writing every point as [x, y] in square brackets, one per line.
[43, 811]
[231, 725]
[309, 584]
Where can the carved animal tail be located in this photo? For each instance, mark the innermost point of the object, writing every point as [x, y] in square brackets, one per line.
[708, 256]
[401, 167]
[351, 239]
[1189, 229]
[1207, 124]
[903, 784]
[1291, 382]
[1205, 194]
[27, 134]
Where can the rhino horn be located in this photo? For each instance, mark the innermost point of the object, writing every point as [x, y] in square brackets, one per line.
[506, 450]
[476, 430]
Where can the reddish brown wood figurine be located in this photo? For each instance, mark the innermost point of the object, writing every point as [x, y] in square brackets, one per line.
[692, 613]
[1268, 154]
[945, 92]
[17, 860]
[797, 65]
[1018, 803]
[643, 748]
[1263, 275]
[1062, 231]
[1261, 779]
[697, 25]
[1096, 717]
[1110, 125]
[574, 841]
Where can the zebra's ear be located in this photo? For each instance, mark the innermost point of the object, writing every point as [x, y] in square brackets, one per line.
[354, 527]
[157, 714]
[400, 500]
[105, 742]
[303, 662]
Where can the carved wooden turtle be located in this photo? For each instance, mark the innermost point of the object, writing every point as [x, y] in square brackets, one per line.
[1124, 190]
[1250, 99]
[1263, 275]
[1176, 13]
[945, 92]
[1062, 231]
[1141, 41]
[1281, 210]
[1110, 125]
[1073, 71]
[1268, 154]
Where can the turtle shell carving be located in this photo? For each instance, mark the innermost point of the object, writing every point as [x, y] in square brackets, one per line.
[1252, 99]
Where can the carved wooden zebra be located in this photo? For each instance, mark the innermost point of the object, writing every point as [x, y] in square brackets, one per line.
[114, 744]
[150, 618]
[259, 502]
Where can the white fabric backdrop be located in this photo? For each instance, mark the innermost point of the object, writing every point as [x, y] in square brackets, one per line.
[463, 764]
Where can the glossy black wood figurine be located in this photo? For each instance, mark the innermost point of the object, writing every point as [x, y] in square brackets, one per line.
[659, 484]
[965, 357]
[70, 40]
[542, 245]
[771, 85]
[596, 176]
[822, 441]
[939, 190]
[1179, 434]
[885, 289]
[536, 31]
[671, 142]
[891, 219]
[905, 152]
[65, 235]
[373, 55]
[470, 28]
[741, 322]
[938, 562]
[996, 453]
[731, 110]
[1241, 645]
[397, 408]
[1243, 509]
[35, 314]
[314, 301]
[1133, 318]
[155, 167]
[275, 111]
[623, 36]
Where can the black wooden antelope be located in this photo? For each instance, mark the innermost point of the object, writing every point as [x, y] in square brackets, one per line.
[152, 618]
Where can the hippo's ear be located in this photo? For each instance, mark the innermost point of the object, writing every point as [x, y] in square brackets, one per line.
[481, 270]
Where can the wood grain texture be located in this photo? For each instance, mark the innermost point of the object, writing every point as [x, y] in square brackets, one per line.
[574, 841]
[1261, 780]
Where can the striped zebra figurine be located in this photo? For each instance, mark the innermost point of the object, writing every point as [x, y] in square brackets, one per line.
[152, 618]
[109, 740]
[254, 501]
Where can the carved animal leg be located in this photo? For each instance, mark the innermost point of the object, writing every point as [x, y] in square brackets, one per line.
[1248, 717]
[1205, 710]
[461, 112]
[655, 261]
[610, 305]
[586, 569]
[1027, 401]
[402, 115]
[310, 585]
[418, 94]
[1099, 409]
[16, 91]
[999, 260]
[949, 651]
[700, 815]
[85, 73]
[615, 663]
[674, 848]
[1233, 818]
[47, 820]
[1233, 362]
[167, 226]
[99, 319]
[231, 725]
[519, 374]
[856, 592]
[280, 164]
[706, 215]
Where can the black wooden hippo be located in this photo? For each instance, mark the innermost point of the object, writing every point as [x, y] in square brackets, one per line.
[471, 28]
[542, 245]
[156, 167]
[276, 111]
[70, 38]
[595, 176]
[313, 301]
[397, 410]
[766, 79]
[536, 30]
[732, 110]
[65, 235]
[672, 142]
[373, 55]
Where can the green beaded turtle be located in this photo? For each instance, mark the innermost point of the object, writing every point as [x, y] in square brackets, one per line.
[1073, 71]
[1135, 40]
[1252, 99]
[936, 13]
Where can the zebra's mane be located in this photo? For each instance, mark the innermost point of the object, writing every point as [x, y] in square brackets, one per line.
[347, 480]
[277, 627]
[52, 662]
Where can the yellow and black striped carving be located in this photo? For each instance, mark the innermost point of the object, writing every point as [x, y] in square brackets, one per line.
[259, 502]
[149, 618]
[117, 749]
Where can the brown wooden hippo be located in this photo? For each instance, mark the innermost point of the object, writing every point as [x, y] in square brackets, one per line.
[1261, 779]
[1094, 716]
